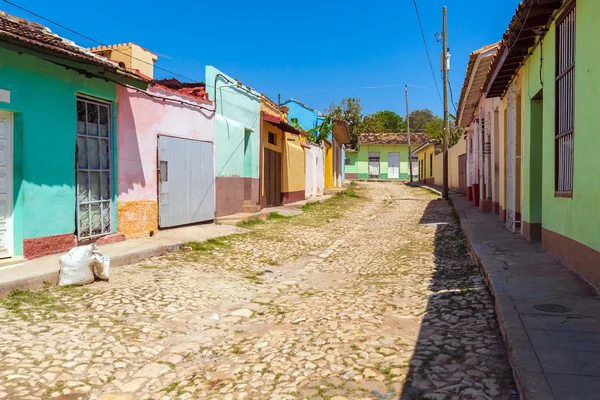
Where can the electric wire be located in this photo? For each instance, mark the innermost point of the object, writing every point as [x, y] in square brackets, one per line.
[426, 50]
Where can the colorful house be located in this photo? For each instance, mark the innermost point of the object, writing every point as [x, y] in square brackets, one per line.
[426, 161]
[283, 169]
[549, 89]
[58, 114]
[166, 140]
[382, 156]
[480, 118]
[333, 147]
[237, 143]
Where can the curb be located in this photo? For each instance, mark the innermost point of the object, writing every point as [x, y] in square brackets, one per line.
[521, 355]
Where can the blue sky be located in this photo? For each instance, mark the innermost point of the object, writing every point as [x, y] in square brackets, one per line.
[316, 51]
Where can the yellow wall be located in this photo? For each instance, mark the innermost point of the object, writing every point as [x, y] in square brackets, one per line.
[454, 152]
[425, 155]
[294, 171]
[328, 166]
[132, 55]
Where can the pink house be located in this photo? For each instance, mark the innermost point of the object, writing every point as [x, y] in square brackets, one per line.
[165, 149]
[165, 157]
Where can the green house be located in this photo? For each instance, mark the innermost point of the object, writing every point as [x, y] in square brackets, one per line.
[547, 75]
[381, 156]
[58, 147]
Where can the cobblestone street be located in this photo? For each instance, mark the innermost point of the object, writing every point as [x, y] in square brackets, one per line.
[366, 296]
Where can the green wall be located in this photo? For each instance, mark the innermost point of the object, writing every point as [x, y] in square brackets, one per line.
[363, 159]
[43, 100]
[577, 217]
[352, 166]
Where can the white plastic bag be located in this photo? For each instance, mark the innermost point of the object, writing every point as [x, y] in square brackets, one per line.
[80, 264]
[101, 265]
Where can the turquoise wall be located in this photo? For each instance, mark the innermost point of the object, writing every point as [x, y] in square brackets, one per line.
[237, 111]
[43, 100]
[307, 118]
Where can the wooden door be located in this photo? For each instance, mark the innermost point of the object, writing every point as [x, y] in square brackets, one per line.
[462, 173]
[272, 176]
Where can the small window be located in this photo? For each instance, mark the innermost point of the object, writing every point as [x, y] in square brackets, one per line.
[272, 139]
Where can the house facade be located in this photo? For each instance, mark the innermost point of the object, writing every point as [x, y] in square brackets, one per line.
[166, 157]
[237, 143]
[426, 161]
[60, 100]
[480, 117]
[333, 146]
[283, 162]
[549, 122]
[381, 156]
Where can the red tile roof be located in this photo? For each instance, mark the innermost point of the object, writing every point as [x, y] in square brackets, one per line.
[26, 34]
[416, 138]
[529, 22]
[196, 90]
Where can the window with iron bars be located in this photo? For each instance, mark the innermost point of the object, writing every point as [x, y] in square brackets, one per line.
[565, 102]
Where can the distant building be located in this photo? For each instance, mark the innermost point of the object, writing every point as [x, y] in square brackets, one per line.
[382, 156]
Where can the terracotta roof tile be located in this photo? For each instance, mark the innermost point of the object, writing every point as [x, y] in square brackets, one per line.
[416, 138]
[28, 34]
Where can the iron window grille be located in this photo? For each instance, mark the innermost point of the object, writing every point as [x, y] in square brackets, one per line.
[565, 102]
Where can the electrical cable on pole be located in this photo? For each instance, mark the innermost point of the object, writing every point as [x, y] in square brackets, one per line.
[445, 62]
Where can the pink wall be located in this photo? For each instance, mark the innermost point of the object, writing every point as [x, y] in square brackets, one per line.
[140, 120]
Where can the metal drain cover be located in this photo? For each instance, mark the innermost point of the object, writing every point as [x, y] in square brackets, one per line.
[552, 308]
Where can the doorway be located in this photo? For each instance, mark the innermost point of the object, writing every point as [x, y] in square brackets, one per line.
[373, 165]
[6, 185]
[186, 181]
[462, 173]
[532, 220]
[394, 165]
[272, 178]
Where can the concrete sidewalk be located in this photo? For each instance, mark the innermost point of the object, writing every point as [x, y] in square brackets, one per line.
[34, 273]
[548, 315]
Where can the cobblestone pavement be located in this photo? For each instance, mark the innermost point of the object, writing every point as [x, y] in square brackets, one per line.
[358, 298]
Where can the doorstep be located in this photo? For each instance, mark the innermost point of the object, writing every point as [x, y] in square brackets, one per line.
[33, 274]
[548, 315]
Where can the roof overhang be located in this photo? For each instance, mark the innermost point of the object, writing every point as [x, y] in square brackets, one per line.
[477, 72]
[530, 21]
[341, 131]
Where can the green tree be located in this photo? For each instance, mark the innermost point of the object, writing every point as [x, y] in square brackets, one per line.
[382, 121]
[349, 110]
[420, 118]
[318, 133]
[435, 130]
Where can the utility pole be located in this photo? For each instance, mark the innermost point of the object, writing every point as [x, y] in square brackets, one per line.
[446, 119]
[408, 129]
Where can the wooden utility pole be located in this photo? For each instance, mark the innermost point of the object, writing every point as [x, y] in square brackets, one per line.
[446, 119]
[408, 130]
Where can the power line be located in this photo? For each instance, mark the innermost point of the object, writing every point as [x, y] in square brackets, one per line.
[112, 48]
[426, 50]
[452, 99]
[96, 41]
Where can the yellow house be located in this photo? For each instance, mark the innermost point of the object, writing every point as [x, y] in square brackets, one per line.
[133, 56]
[426, 156]
[282, 160]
